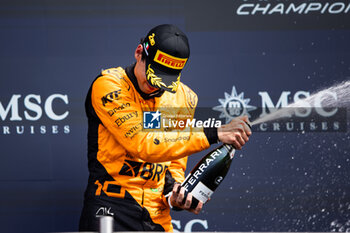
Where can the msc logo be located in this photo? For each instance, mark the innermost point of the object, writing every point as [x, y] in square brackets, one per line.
[233, 105]
[110, 97]
[151, 120]
[33, 103]
[145, 170]
[33, 108]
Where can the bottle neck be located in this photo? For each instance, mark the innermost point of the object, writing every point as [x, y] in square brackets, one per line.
[229, 147]
[231, 150]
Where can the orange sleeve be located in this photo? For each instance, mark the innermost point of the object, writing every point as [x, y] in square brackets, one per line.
[177, 167]
[115, 105]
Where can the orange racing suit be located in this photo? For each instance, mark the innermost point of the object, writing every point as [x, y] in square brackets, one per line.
[132, 169]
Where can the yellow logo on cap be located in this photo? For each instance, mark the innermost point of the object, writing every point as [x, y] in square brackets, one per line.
[158, 82]
[153, 78]
[151, 39]
[169, 61]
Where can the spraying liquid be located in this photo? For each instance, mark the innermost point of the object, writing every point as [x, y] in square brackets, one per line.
[335, 96]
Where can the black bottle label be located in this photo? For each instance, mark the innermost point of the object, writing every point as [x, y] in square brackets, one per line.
[206, 176]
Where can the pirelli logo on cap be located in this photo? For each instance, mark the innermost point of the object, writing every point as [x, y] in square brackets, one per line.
[169, 61]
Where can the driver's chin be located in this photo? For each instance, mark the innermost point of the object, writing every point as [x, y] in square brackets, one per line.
[150, 88]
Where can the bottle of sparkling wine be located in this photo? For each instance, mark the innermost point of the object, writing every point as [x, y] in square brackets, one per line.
[209, 172]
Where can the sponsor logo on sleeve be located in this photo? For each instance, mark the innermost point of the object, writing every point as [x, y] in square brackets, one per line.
[180, 138]
[114, 95]
[121, 120]
[156, 141]
[116, 109]
[191, 98]
[133, 130]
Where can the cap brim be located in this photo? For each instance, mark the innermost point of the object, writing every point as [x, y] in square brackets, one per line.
[166, 80]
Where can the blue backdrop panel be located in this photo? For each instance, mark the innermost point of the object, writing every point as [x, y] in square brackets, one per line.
[50, 51]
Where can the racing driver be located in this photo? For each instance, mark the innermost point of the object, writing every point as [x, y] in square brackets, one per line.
[134, 173]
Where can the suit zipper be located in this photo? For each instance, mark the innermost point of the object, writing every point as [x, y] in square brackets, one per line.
[143, 196]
